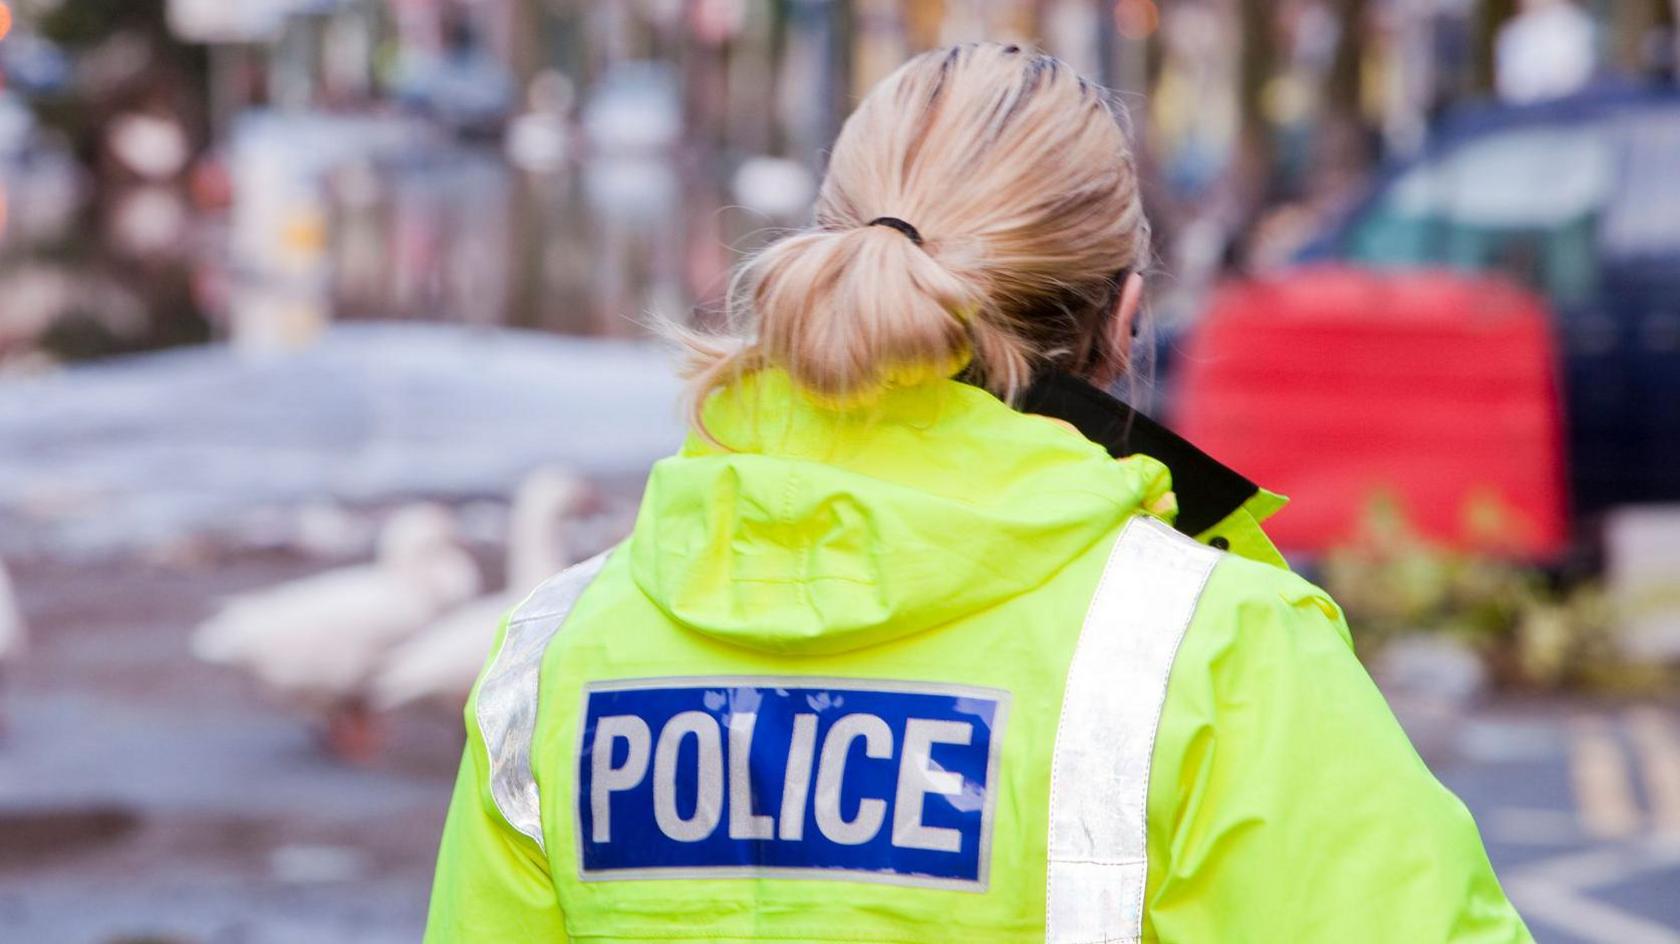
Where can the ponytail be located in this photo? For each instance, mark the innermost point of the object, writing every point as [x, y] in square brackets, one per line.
[1014, 202]
[846, 313]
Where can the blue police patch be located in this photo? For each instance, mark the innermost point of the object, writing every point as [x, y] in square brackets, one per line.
[860, 779]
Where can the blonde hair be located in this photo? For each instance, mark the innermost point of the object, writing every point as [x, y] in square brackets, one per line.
[1019, 184]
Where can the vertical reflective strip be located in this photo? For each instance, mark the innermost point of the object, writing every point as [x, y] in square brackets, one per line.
[507, 698]
[1116, 685]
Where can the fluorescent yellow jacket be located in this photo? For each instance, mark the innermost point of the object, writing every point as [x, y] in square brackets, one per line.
[932, 671]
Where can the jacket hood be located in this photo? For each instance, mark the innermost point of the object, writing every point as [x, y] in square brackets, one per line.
[822, 530]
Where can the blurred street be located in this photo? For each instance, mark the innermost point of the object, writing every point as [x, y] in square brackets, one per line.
[185, 807]
[297, 293]
[1579, 804]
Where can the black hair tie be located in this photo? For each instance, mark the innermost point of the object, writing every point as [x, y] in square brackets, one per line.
[898, 224]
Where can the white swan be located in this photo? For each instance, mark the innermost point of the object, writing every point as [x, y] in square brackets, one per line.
[440, 663]
[12, 635]
[317, 640]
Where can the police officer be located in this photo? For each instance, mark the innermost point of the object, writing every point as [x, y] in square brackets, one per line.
[922, 637]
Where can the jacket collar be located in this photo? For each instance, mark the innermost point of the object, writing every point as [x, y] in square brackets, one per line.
[1208, 491]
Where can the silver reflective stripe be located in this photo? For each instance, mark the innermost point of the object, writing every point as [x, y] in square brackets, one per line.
[507, 699]
[1116, 685]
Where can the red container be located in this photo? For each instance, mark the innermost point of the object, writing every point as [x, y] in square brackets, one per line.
[1342, 387]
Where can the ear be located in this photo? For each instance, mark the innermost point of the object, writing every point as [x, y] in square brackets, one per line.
[1121, 326]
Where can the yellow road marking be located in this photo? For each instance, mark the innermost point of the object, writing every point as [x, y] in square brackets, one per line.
[1603, 785]
[1658, 743]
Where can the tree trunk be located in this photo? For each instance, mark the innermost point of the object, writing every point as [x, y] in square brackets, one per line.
[1490, 16]
[1346, 96]
[1632, 23]
[529, 51]
[842, 44]
[776, 56]
[1257, 64]
[1108, 72]
[1343, 147]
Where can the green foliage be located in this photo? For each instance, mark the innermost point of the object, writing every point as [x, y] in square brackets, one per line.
[1392, 581]
[82, 23]
[124, 56]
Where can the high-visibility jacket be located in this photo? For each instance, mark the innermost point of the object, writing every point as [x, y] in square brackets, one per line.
[938, 670]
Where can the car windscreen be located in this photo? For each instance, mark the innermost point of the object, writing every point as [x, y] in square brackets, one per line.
[1642, 220]
[1525, 201]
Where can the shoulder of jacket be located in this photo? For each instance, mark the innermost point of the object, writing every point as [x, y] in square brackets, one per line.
[554, 598]
[505, 706]
[1243, 586]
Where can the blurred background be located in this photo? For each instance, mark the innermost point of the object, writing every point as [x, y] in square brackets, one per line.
[324, 334]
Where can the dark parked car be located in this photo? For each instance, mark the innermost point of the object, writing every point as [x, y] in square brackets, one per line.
[1580, 200]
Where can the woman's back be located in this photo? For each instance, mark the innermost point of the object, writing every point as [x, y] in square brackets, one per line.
[886, 659]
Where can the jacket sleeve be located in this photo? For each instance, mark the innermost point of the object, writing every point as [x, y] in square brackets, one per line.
[1287, 805]
[492, 882]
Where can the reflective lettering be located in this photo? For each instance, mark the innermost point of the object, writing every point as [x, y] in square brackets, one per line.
[796, 786]
[917, 778]
[743, 822]
[708, 801]
[831, 773]
[607, 779]
[741, 777]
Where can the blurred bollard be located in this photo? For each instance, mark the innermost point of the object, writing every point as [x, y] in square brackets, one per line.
[1431, 682]
[1642, 569]
[12, 636]
[1435, 668]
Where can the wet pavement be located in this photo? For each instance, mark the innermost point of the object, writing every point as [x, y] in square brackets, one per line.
[1579, 804]
[151, 798]
[146, 797]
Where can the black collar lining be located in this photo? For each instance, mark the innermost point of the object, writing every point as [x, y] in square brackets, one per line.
[1208, 491]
